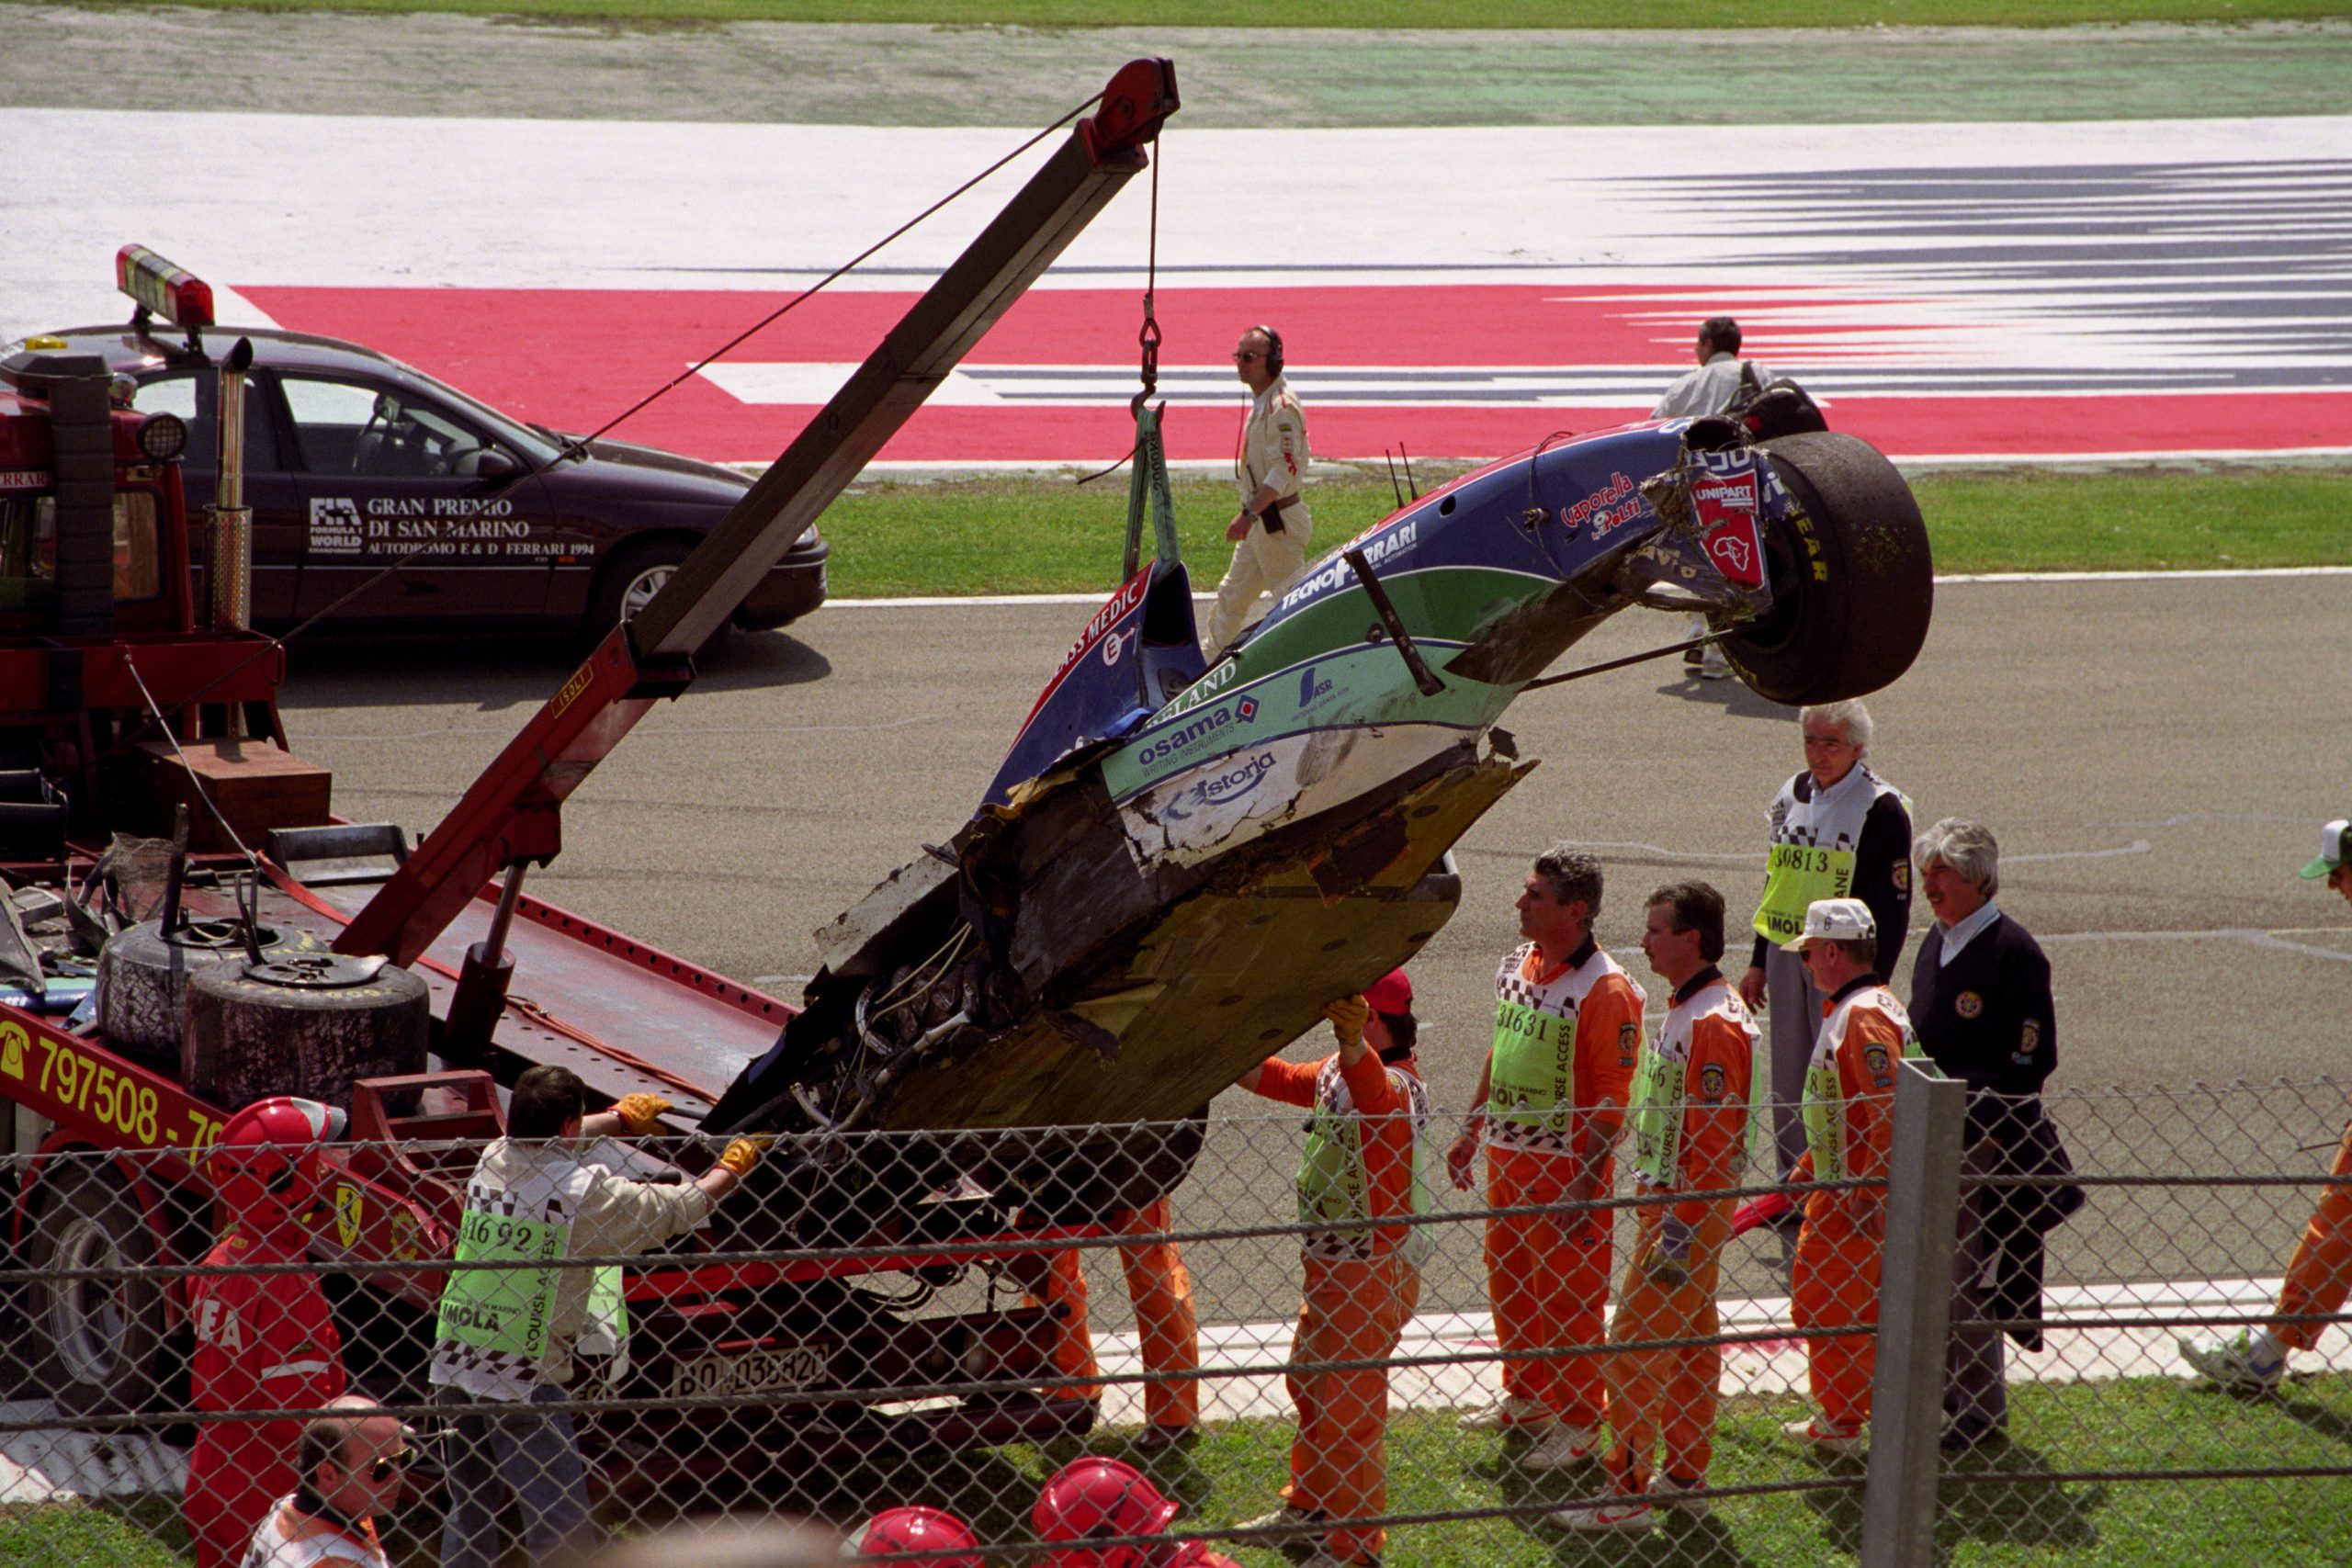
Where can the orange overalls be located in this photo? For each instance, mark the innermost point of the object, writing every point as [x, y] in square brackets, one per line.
[1167, 1330]
[1690, 1121]
[1362, 1279]
[2319, 1276]
[1850, 1119]
[1547, 1275]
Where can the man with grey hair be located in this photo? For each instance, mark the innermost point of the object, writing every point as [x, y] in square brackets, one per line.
[1981, 1004]
[1837, 831]
[1550, 1102]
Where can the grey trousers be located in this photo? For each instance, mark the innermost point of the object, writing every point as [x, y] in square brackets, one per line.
[1794, 1011]
[1977, 1388]
[494, 1452]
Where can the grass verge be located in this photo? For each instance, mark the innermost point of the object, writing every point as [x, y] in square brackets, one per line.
[1493, 14]
[2006, 1508]
[1046, 535]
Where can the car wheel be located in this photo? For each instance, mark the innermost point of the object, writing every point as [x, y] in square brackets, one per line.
[97, 1341]
[1853, 583]
[629, 582]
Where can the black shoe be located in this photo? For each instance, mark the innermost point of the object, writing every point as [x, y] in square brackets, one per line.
[1156, 1439]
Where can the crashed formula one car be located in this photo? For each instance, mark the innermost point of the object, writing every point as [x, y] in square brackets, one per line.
[1177, 863]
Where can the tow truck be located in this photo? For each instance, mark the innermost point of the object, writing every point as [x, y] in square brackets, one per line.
[270, 947]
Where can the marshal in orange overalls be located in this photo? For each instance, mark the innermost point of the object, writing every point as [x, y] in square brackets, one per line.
[1690, 1121]
[1849, 1120]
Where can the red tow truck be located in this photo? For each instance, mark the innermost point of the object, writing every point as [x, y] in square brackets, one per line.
[296, 952]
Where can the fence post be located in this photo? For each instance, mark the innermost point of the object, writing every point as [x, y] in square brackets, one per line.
[1914, 1315]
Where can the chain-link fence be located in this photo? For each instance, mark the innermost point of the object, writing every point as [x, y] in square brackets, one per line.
[872, 1322]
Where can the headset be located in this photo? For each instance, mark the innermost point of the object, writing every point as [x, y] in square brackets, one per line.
[1273, 349]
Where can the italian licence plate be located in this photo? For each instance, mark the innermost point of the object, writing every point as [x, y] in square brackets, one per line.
[751, 1372]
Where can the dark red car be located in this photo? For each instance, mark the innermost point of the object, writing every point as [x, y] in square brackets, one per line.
[354, 461]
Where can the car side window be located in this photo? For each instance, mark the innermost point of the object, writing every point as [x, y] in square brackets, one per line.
[177, 394]
[350, 427]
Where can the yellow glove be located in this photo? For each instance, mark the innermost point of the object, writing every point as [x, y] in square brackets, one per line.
[1347, 1016]
[640, 1112]
[744, 1153]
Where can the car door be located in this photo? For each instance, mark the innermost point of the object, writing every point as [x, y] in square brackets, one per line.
[400, 523]
[272, 492]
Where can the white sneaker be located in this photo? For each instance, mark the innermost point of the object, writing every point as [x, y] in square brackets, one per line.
[1683, 1496]
[1619, 1515]
[2238, 1362]
[1714, 669]
[1828, 1440]
[1308, 1525]
[1508, 1413]
[1560, 1448]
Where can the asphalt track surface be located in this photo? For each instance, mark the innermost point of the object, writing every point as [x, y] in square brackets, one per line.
[2156, 755]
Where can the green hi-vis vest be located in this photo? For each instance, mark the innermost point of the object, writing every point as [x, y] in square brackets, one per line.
[1658, 1111]
[1334, 1188]
[1530, 1077]
[498, 1321]
[506, 1311]
[1824, 1095]
[1813, 849]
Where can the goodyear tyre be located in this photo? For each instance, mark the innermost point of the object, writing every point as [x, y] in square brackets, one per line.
[1853, 584]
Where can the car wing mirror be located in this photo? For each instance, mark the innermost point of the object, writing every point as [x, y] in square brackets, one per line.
[388, 408]
[494, 464]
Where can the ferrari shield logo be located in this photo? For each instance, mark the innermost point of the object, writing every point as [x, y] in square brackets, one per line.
[349, 1206]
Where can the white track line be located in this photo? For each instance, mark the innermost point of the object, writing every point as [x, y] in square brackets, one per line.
[1255, 1351]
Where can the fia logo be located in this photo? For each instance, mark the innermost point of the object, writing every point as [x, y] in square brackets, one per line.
[333, 512]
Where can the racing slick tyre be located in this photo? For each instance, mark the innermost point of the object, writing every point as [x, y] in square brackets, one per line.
[97, 1342]
[1853, 584]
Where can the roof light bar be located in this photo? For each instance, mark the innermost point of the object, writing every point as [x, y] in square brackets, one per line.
[174, 293]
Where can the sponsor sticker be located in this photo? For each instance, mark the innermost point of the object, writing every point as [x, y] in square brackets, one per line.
[1335, 571]
[1728, 506]
[1607, 508]
[1968, 1004]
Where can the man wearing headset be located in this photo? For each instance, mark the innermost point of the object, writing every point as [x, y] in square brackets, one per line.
[1270, 531]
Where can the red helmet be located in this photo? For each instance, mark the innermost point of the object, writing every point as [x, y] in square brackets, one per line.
[265, 1166]
[1092, 1499]
[919, 1529]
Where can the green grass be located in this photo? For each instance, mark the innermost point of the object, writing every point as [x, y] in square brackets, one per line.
[1691, 14]
[1035, 536]
[1233, 1471]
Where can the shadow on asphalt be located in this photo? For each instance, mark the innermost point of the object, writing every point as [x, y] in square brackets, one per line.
[499, 672]
[1731, 694]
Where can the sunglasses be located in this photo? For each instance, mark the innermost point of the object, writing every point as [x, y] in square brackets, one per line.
[385, 1466]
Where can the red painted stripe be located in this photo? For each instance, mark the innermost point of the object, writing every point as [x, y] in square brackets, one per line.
[575, 358]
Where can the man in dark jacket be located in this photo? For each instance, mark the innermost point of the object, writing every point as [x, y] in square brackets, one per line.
[1980, 1005]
